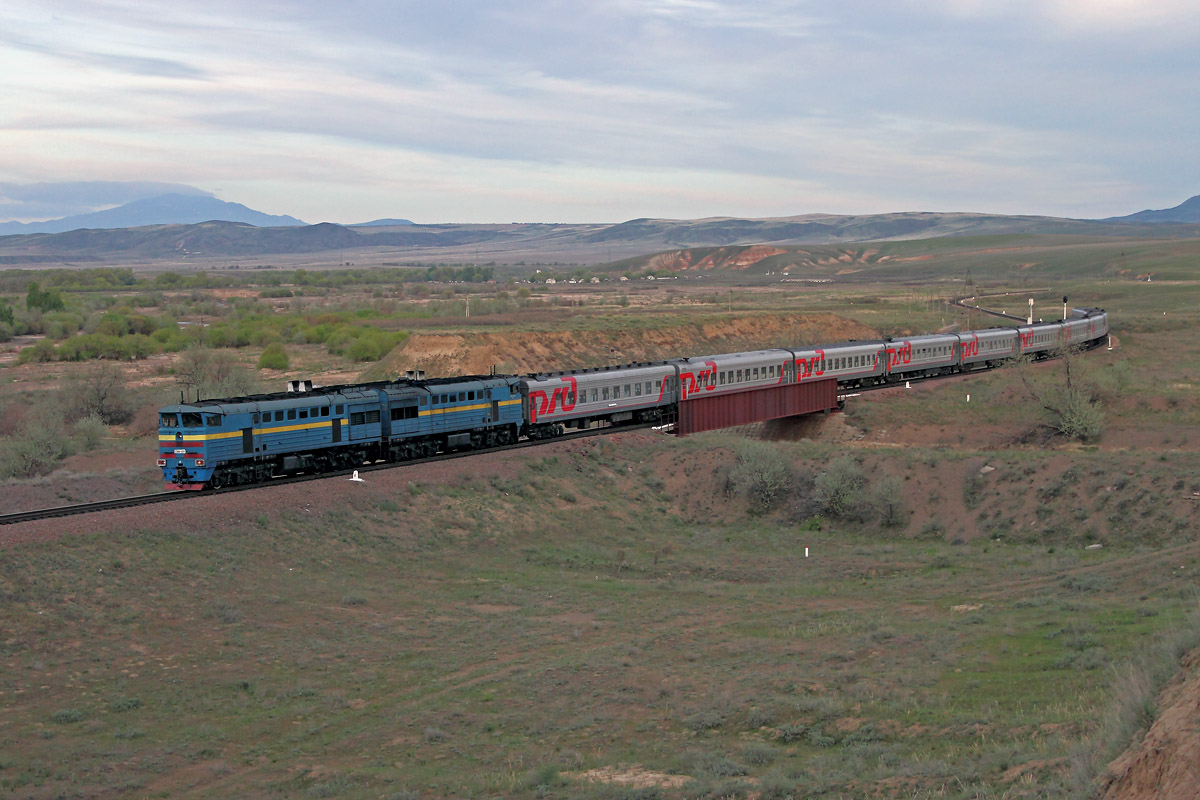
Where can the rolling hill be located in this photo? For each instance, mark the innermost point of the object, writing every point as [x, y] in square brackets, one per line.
[548, 243]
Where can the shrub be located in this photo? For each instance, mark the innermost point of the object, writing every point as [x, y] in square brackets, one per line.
[35, 450]
[763, 474]
[886, 498]
[273, 357]
[837, 487]
[89, 432]
[67, 716]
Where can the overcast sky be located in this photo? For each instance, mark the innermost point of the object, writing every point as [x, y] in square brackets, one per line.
[607, 110]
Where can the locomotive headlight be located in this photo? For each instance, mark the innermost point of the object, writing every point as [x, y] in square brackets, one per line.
[199, 462]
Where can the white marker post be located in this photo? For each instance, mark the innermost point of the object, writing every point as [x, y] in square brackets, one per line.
[806, 552]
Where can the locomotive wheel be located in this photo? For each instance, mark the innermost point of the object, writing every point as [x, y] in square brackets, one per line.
[217, 481]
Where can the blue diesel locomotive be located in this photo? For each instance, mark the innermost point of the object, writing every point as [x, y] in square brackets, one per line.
[219, 443]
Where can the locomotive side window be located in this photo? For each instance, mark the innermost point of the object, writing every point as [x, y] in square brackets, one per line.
[212, 420]
[256, 416]
[324, 411]
[190, 420]
[372, 416]
[168, 421]
[338, 409]
[356, 418]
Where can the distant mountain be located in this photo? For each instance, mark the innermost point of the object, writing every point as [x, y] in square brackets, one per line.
[1188, 212]
[594, 243]
[163, 209]
[381, 223]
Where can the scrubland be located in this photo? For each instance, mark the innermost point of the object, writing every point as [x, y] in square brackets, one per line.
[920, 597]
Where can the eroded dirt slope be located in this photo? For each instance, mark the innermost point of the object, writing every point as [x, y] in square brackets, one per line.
[1165, 765]
[530, 351]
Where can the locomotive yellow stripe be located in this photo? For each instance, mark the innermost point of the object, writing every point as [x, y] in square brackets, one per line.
[208, 437]
[476, 407]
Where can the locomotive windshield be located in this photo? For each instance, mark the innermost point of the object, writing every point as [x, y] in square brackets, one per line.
[168, 421]
[191, 419]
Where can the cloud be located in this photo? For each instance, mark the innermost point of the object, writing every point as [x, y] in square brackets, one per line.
[870, 103]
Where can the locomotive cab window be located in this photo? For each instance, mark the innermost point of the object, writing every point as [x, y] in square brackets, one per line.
[213, 420]
[190, 420]
[168, 421]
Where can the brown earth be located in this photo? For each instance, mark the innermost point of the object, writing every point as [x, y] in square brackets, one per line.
[1166, 764]
[531, 351]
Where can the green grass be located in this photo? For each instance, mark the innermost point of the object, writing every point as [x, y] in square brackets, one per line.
[378, 651]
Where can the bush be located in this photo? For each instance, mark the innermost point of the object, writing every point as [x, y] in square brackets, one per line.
[89, 432]
[35, 450]
[763, 474]
[886, 498]
[838, 486]
[274, 357]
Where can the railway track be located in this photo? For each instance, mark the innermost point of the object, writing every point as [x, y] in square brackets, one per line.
[166, 497]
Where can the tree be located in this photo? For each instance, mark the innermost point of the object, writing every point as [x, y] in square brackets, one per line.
[208, 373]
[1071, 405]
[99, 392]
[38, 300]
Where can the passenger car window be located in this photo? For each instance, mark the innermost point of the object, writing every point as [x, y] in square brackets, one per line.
[339, 409]
[291, 413]
[304, 413]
